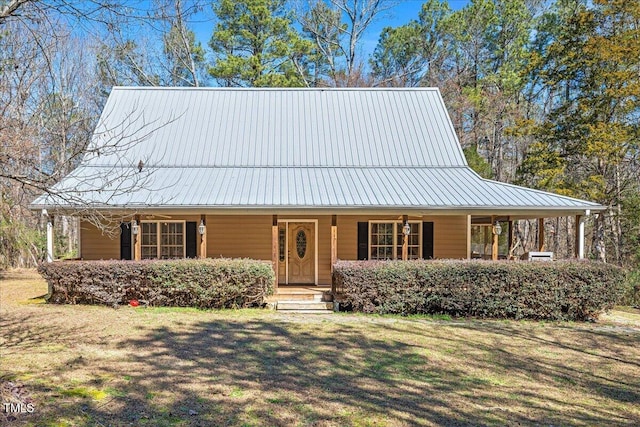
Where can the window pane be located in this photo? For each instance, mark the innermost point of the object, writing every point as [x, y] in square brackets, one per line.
[172, 240]
[413, 240]
[381, 240]
[149, 240]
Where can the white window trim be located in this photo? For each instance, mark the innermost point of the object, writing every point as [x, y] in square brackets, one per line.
[395, 223]
[158, 228]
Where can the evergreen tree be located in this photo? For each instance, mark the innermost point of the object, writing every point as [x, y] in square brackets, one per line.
[255, 44]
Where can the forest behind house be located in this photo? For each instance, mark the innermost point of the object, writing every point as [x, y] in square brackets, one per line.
[543, 94]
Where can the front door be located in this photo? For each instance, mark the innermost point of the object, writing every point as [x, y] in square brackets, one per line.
[302, 255]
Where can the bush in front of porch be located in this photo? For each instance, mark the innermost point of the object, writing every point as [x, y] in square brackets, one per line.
[560, 290]
[202, 283]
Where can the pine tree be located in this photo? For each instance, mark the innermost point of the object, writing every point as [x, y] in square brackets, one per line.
[255, 44]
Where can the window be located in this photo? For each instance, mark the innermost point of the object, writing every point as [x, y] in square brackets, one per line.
[166, 244]
[385, 240]
[482, 241]
[282, 244]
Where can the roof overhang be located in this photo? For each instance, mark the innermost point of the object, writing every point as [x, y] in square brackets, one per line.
[511, 212]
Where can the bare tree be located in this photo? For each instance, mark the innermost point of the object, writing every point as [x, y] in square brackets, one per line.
[49, 106]
[337, 28]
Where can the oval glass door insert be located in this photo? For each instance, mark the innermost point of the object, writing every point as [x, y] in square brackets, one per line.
[301, 243]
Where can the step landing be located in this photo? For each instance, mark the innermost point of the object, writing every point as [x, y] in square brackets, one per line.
[301, 306]
[306, 299]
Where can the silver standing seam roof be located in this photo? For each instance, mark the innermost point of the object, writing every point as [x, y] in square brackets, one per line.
[286, 149]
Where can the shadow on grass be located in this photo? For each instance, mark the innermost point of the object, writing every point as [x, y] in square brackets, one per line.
[268, 372]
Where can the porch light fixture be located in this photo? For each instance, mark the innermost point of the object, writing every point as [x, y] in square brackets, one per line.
[202, 228]
[497, 229]
[135, 228]
[406, 229]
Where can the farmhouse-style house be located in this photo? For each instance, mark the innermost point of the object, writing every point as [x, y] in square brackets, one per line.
[300, 177]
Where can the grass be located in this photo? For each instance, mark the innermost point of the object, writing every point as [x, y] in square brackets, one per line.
[97, 366]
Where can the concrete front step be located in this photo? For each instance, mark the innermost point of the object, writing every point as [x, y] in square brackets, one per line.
[305, 306]
[297, 296]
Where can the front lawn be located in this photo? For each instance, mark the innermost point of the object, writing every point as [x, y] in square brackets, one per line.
[88, 366]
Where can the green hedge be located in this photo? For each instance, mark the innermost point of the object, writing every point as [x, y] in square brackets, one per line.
[209, 283]
[632, 293]
[559, 290]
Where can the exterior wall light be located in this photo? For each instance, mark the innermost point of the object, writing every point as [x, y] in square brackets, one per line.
[406, 229]
[135, 228]
[202, 228]
[497, 229]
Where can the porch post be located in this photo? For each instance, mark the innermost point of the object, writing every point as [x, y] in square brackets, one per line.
[494, 246]
[50, 221]
[405, 239]
[468, 236]
[137, 241]
[541, 234]
[203, 237]
[334, 240]
[510, 237]
[579, 249]
[274, 249]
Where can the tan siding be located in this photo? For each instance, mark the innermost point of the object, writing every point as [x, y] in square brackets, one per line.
[450, 235]
[95, 245]
[250, 236]
[239, 236]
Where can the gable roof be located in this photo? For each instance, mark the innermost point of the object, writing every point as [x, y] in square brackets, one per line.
[212, 127]
[292, 149]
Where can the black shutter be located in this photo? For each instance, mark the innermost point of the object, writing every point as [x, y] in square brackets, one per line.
[125, 241]
[191, 237]
[363, 240]
[427, 240]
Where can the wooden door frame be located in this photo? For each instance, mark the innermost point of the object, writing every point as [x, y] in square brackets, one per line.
[286, 247]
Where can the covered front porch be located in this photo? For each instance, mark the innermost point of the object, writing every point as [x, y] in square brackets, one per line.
[304, 246]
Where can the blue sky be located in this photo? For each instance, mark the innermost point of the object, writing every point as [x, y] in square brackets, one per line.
[403, 12]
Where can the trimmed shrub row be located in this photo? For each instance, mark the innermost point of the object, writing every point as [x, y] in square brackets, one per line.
[208, 283]
[632, 294]
[561, 290]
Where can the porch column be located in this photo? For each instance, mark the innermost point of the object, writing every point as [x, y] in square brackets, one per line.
[334, 240]
[274, 249]
[468, 236]
[496, 242]
[50, 220]
[541, 234]
[510, 239]
[405, 239]
[579, 249]
[203, 236]
[137, 241]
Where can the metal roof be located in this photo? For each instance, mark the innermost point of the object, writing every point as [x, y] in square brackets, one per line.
[181, 127]
[286, 149]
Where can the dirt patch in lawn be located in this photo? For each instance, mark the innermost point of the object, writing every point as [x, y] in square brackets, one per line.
[87, 366]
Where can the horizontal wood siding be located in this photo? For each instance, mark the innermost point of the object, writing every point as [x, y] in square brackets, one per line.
[450, 234]
[250, 237]
[239, 236]
[94, 245]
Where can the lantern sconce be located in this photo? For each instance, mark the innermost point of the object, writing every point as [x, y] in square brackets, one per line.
[202, 228]
[406, 229]
[135, 228]
[497, 229]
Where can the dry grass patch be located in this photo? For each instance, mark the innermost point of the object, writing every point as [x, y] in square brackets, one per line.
[87, 366]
